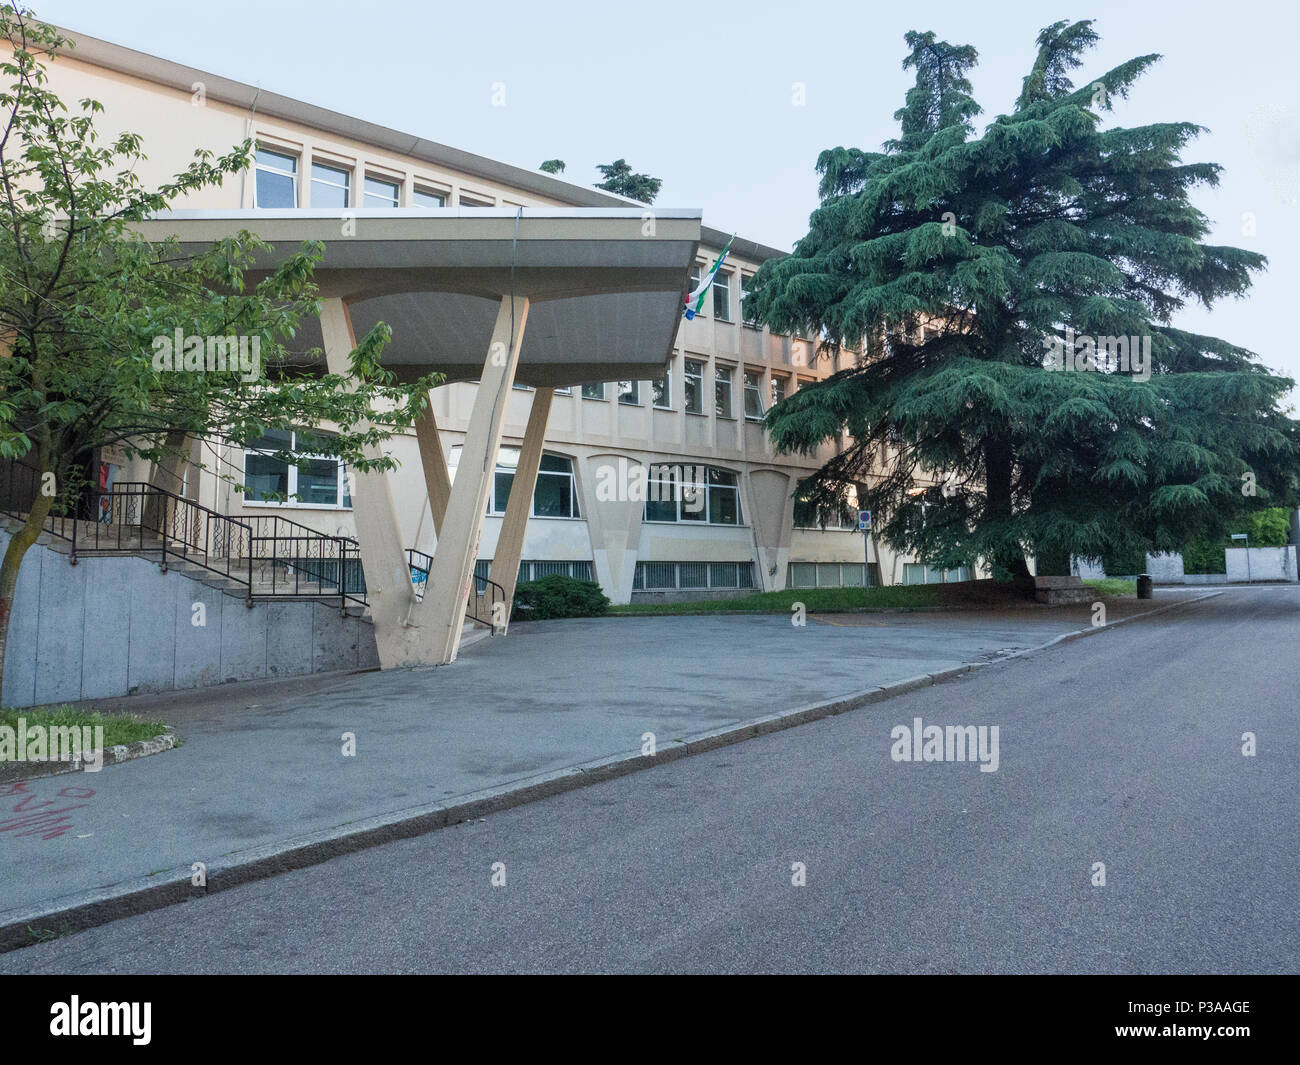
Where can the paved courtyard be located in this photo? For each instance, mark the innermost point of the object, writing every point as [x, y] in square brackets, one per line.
[262, 765]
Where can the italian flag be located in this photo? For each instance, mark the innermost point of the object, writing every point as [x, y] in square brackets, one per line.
[695, 301]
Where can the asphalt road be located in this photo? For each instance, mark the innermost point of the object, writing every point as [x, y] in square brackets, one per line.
[1124, 748]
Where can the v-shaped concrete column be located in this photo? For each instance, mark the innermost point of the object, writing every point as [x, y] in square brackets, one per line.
[442, 611]
[437, 481]
[383, 556]
[510, 544]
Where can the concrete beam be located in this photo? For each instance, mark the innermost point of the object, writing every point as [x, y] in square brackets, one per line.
[441, 613]
[437, 481]
[383, 556]
[510, 544]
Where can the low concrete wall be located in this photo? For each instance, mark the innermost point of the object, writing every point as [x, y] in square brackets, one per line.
[1264, 564]
[114, 626]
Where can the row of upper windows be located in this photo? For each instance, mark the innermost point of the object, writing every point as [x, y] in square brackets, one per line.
[661, 391]
[675, 493]
[331, 185]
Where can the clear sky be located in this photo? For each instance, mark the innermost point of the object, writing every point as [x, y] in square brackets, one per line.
[704, 95]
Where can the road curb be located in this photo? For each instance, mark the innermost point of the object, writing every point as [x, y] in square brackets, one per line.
[17, 772]
[76, 913]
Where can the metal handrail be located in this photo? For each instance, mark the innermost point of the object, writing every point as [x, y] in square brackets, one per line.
[421, 563]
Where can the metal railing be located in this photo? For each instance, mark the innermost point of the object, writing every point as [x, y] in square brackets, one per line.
[481, 600]
[268, 556]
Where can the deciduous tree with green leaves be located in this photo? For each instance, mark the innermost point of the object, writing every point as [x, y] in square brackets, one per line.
[962, 262]
[83, 297]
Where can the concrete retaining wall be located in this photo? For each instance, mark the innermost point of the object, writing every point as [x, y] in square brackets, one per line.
[114, 626]
[1265, 563]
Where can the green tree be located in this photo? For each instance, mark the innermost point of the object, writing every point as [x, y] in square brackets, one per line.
[620, 180]
[962, 265]
[553, 166]
[83, 299]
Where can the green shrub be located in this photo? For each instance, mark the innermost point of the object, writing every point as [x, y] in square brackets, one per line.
[558, 597]
[1205, 556]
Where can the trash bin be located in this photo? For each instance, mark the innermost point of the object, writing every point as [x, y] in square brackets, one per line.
[1144, 586]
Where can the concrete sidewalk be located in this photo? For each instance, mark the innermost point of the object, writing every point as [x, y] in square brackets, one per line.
[261, 783]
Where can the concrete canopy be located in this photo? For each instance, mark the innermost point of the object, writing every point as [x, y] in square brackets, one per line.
[605, 285]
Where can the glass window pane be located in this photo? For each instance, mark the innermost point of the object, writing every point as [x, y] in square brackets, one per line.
[724, 509]
[753, 395]
[318, 482]
[722, 295]
[275, 190]
[662, 391]
[273, 440]
[265, 477]
[426, 198]
[722, 391]
[553, 496]
[556, 464]
[502, 494]
[629, 392]
[380, 193]
[329, 186]
[595, 390]
[694, 386]
[778, 390]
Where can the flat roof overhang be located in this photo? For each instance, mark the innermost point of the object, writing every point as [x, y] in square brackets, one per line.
[605, 285]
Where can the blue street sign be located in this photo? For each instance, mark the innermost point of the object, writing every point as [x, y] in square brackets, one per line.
[864, 521]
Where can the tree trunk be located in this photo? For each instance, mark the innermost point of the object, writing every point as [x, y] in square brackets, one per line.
[999, 461]
[22, 540]
[167, 474]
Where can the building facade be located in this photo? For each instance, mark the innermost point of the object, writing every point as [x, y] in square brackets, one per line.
[598, 510]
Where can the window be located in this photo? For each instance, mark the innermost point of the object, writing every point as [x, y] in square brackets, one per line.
[693, 493]
[724, 498]
[753, 394]
[827, 516]
[380, 193]
[329, 185]
[745, 279]
[467, 201]
[722, 296]
[629, 392]
[661, 389]
[779, 385]
[694, 386]
[277, 179]
[427, 198]
[595, 390]
[312, 480]
[556, 493]
[722, 391]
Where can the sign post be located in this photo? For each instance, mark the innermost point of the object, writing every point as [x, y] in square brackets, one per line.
[864, 523]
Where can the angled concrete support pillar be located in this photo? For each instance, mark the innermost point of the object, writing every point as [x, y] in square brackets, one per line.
[442, 611]
[510, 544]
[437, 481]
[383, 556]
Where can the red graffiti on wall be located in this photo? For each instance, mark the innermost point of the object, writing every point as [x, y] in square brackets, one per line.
[35, 819]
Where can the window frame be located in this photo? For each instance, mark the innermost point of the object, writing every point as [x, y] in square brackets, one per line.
[291, 480]
[719, 369]
[687, 376]
[294, 175]
[721, 284]
[380, 178]
[757, 389]
[574, 504]
[342, 169]
[633, 390]
[667, 391]
[705, 514]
